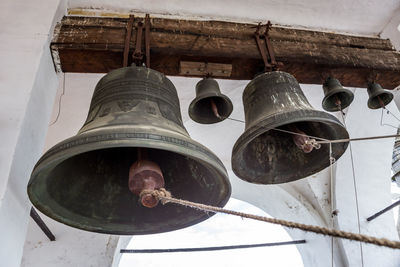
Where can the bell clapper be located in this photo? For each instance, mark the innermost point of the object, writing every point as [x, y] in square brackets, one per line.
[338, 102]
[381, 102]
[215, 109]
[302, 141]
[144, 177]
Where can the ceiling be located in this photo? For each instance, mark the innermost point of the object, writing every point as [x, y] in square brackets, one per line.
[365, 17]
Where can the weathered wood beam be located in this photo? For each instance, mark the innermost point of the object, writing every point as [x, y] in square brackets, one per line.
[87, 44]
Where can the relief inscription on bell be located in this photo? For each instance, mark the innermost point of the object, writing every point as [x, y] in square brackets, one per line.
[127, 105]
[265, 149]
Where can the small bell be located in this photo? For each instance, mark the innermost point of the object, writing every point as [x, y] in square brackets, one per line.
[378, 97]
[209, 106]
[336, 97]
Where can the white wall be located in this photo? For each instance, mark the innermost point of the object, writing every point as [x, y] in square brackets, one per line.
[367, 17]
[372, 174]
[28, 84]
[391, 29]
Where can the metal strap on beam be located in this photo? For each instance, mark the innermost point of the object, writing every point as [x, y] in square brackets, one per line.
[128, 39]
[138, 54]
[267, 50]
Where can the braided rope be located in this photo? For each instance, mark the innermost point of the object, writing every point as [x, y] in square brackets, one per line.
[165, 197]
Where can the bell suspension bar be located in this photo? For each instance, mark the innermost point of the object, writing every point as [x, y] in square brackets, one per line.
[128, 39]
[294, 242]
[379, 213]
[267, 50]
[137, 56]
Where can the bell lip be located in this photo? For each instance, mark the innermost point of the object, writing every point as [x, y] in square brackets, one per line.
[369, 103]
[335, 91]
[201, 157]
[258, 128]
[228, 102]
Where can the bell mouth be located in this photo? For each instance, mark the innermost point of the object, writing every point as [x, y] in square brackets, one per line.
[262, 155]
[201, 110]
[86, 186]
[375, 101]
[329, 102]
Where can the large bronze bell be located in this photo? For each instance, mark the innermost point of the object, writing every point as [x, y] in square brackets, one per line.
[336, 97]
[266, 153]
[209, 106]
[378, 97]
[133, 131]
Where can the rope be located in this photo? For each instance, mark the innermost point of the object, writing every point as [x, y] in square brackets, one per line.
[284, 131]
[326, 141]
[333, 208]
[391, 113]
[388, 112]
[165, 197]
[355, 193]
[358, 139]
[59, 102]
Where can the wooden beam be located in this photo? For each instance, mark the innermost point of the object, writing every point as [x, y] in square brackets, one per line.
[88, 44]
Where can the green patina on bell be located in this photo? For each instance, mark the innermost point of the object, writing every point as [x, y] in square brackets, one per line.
[336, 97]
[378, 97]
[210, 105]
[83, 181]
[263, 154]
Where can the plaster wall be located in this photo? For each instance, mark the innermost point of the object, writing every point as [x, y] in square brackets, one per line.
[28, 85]
[392, 29]
[369, 185]
[367, 17]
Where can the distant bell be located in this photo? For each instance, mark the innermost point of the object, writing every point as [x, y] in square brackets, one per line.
[133, 141]
[336, 97]
[378, 97]
[268, 152]
[209, 106]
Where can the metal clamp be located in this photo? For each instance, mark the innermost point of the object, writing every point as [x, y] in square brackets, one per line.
[138, 55]
[267, 50]
[128, 39]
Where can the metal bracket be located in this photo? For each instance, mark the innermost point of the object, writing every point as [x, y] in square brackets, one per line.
[147, 39]
[267, 50]
[128, 39]
[138, 54]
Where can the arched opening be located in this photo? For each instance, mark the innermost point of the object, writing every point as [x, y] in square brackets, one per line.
[220, 230]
